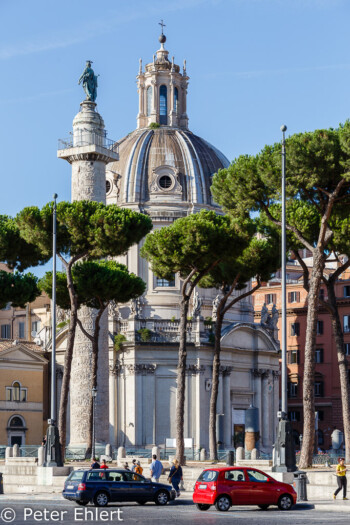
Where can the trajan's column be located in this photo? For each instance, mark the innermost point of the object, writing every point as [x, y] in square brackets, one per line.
[88, 152]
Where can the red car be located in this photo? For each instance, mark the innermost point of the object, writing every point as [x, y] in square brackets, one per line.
[228, 486]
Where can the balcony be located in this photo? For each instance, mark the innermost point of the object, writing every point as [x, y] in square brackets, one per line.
[163, 330]
[88, 138]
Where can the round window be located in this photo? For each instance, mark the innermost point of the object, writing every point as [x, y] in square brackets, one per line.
[165, 182]
[108, 186]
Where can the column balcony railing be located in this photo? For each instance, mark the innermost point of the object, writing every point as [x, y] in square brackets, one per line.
[88, 138]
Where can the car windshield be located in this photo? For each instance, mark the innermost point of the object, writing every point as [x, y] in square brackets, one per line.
[208, 475]
[76, 475]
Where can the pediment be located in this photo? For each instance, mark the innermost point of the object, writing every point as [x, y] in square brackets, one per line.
[21, 353]
[250, 337]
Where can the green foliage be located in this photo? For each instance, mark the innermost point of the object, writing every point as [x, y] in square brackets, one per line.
[145, 334]
[96, 283]
[192, 243]
[62, 324]
[173, 319]
[15, 251]
[84, 228]
[154, 125]
[119, 339]
[17, 289]
[62, 295]
[103, 281]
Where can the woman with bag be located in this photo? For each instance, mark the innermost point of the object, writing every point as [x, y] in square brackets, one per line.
[175, 476]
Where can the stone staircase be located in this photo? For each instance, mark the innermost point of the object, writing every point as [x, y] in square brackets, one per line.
[23, 476]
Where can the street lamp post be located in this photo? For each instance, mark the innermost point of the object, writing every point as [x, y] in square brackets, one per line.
[53, 455]
[94, 394]
[284, 454]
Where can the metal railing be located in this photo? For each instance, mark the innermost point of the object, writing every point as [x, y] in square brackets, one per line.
[88, 139]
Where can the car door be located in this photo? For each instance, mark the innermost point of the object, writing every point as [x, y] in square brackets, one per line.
[233, 482]
[140, 487]
[260, 488]
[120, 489]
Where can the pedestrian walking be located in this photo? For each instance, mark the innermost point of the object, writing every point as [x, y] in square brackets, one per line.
[341, 478]
[175, 476]
[126, 466]
[138, 468]
[133, 465]
[95, 463]
[156, 468]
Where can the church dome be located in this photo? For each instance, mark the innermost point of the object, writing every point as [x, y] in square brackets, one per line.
[164, 165]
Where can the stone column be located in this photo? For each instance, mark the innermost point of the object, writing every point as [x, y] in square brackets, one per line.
[112, 403]
[257, 396]
[266, 395]
[276, 398]
[88, 157]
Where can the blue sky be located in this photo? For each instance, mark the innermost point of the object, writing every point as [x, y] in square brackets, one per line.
[253, 65]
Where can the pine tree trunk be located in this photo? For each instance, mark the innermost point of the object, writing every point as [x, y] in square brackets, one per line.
[309, 362]
[181, 379]
[62, 419]
[215, 386]
[343, 366]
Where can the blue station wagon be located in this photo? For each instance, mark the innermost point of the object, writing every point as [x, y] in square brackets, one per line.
[101, 486]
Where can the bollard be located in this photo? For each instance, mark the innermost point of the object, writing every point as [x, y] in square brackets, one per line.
[254, 454]
[41, 456]
[155, 451]
[108, 450]
[203, 454]
[121, 452]
[16, 451]
[8, 453]
[240, 454]
[230, 460]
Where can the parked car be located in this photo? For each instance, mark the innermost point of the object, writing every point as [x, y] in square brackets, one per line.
[101, 486]
[228, 486]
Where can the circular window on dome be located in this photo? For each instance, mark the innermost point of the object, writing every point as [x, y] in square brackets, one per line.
[165, 182]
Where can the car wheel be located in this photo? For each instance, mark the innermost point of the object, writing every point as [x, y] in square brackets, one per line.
[263, 507]
[101, 499]
[162, 497]
[285, 502]
[202, 506]
[223, 503]
[83, 503]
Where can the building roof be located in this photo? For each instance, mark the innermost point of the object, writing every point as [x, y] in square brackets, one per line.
[146, 155]
[6, 344]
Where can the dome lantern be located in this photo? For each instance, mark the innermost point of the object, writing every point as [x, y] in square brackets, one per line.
[162, 91]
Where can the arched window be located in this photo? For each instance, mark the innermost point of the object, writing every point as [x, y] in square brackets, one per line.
[16, 392]
[16, 421]
[16, 389]
[149, 101]
[163, 105]
[176, 99]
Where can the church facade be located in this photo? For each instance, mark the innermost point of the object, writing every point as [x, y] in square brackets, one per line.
[164, 170]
